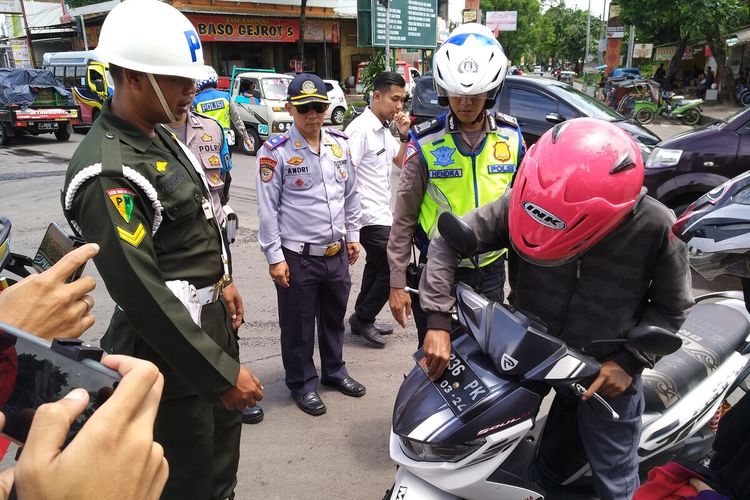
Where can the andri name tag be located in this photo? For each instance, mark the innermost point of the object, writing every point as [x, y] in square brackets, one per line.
[207, 211]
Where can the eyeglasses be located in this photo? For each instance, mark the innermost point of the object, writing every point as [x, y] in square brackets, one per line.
[318, 107]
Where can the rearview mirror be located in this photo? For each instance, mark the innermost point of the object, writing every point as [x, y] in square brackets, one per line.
[457, 233]
[555, 118]
[648, 339]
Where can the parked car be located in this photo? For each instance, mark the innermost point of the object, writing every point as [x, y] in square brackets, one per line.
[566, 77]
[629, 73]
[337, 108]
[538, 104]
[684, 167]
[538, 70]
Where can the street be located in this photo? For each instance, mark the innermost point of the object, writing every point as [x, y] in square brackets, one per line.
[340, 455]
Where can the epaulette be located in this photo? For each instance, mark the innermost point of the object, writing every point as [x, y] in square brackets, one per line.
[337, 133]
[422, 129]
[272, 144]
[507, 119]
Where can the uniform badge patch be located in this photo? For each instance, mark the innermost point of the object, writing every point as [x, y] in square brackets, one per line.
[215, 178]
[206, 138]
[299, 182]
[161, 166]
[122, 198]
[411, 151]
[266, 167]
[337, 151]
[297, 144]
[135, 238]
[502, 151]
[443, 156]
[295, 160]
[308, 87]
[214, 161]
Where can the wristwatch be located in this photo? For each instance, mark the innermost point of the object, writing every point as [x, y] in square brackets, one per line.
[404, 139]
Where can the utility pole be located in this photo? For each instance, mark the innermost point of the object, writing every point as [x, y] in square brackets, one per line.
[588, 35]
[387, 35]
[631, 47]
[32, 61]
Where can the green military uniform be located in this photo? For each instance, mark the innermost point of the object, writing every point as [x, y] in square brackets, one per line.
[143, 202]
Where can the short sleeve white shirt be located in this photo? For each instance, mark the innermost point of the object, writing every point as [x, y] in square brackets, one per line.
[373, 149]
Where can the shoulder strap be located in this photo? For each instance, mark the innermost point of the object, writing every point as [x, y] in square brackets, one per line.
[111, 156]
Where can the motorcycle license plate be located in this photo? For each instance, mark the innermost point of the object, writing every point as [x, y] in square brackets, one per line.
[459, 386]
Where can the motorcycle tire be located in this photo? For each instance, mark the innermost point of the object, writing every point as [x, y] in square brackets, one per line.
[691, 117]
[644, 116]
[745, 99]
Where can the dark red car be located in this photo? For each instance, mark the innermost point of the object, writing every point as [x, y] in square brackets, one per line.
[682, 168]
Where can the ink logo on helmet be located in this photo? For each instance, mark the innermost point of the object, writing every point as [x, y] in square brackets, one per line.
[543, 217]
[468, 65]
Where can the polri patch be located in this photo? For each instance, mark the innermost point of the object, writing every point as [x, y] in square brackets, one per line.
[206, 138]
[502, 151]
[295, 160]
[214, 161]
[135, 238]
[266, 168]
[122, 198]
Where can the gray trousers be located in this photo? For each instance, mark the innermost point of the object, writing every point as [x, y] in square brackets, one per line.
[576, 433]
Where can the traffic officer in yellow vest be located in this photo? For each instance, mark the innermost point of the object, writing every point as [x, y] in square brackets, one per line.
[309, 213]
[205, 138]
[142, 196]
[455, 162]
[218, 104]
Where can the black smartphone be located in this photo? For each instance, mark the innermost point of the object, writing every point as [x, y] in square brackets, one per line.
[34, 372]
[55, 244]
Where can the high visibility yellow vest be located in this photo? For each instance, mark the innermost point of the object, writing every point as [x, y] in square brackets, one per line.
[215, 104]
[458, 182]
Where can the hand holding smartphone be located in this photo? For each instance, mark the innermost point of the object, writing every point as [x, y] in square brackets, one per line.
[55, 244]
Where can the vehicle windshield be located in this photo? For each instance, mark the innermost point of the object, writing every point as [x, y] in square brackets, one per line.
[275, 88]
[587, 104]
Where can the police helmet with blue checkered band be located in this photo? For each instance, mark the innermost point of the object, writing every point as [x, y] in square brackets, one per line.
[209, 79]
[470, 62]
[151, 37]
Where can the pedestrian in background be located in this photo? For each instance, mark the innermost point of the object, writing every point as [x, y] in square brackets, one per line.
[135, 190]
[374, 151]
[309, 214]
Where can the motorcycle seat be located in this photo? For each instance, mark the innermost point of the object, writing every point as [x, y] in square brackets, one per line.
[711, 333]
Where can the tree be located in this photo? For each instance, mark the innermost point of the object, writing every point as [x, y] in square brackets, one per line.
[562, 34]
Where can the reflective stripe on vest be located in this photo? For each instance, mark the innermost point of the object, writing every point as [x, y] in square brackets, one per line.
[458, 183]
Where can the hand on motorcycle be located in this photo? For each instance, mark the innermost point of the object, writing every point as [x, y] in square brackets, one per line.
[437, 350]
[612, 381]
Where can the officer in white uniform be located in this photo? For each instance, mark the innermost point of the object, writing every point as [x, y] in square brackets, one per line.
[309, 213]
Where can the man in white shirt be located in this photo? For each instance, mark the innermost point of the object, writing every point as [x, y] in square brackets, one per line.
[373, 151]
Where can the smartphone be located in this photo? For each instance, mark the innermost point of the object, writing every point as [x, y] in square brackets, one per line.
[34, 372]
[55, 244]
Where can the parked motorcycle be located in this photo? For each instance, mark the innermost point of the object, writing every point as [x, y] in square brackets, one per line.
[743, 95]
[474, 432]
[668, 105]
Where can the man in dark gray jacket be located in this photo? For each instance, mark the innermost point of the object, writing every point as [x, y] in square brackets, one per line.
[593, 257]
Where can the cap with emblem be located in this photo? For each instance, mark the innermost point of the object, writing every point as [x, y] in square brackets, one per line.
[306, 88]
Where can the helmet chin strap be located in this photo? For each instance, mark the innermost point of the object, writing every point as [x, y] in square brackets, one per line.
[160, 96]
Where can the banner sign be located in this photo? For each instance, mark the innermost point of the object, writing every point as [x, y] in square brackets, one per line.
[223, 28]
[502, 20]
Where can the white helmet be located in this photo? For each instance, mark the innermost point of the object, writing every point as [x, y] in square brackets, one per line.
[208, 79]
[152, 37]
[470, 62]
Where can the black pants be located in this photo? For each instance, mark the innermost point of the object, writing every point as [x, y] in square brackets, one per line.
[488, 280]
[318, 292]
[373, 294]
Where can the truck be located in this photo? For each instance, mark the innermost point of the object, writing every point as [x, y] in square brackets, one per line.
[409, 73]
[260, 95]
[33, 102]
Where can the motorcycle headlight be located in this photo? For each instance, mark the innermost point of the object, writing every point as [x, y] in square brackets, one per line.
[661, 158]
[427, 452]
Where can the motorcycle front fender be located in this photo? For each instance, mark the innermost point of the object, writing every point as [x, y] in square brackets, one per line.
[644, 105]
[407, 486]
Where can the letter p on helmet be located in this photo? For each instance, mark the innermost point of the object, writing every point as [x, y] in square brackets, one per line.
[194, 44]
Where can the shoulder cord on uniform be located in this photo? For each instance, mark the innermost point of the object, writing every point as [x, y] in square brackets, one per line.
[139, 180]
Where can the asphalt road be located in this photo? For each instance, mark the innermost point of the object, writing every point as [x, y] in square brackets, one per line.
[290, 455]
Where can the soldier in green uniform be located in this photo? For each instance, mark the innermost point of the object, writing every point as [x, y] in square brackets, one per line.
[141, 195]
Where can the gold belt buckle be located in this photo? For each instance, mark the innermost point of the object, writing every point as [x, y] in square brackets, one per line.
[333, 249]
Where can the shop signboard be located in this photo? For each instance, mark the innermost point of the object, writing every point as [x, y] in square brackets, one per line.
[642, 50]
[664, 53]
[502, 20]
[227, 28]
